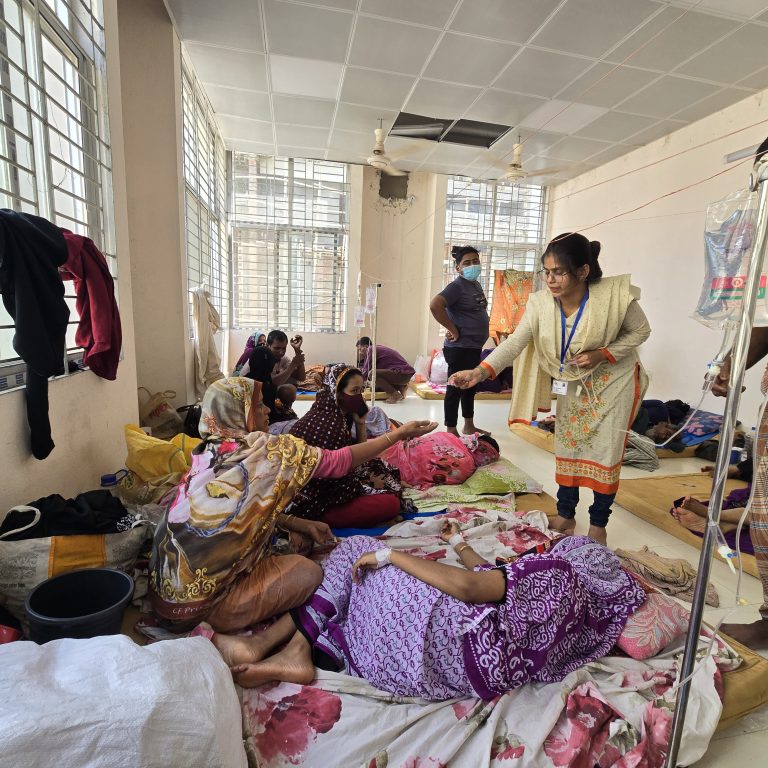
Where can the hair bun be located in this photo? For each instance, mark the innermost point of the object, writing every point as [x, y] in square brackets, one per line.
[594, 247]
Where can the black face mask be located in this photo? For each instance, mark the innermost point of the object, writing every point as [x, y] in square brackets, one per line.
[353, 404]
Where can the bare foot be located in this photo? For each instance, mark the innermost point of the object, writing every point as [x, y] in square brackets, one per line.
[452, 431]
[694, 505]
[754, 635]
[396, 397]
[235, 649]
[598, 534]
[689, 519]
[291, 665]
[564, 525]
[474, 430]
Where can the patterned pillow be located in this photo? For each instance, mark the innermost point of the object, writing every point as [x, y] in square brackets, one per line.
[653, 626]
[501, 477]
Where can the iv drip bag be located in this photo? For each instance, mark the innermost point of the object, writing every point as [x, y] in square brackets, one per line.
[728, 246]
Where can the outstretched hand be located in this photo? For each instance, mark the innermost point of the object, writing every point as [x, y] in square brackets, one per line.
[414, 429]
[466, 379]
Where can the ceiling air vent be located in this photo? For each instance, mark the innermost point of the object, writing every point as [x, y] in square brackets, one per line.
[471, 133]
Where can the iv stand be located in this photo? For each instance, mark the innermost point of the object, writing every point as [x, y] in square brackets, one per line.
[374, 355]
[758, 181]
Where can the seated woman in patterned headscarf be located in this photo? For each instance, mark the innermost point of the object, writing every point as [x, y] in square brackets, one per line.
[212, 556]
[369, 496]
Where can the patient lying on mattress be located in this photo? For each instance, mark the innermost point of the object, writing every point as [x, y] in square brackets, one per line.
[441, 458]
[414, 627]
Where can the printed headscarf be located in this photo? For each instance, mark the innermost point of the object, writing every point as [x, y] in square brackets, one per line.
[250, 345]
[226, 406]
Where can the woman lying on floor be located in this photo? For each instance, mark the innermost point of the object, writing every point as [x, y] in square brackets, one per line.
[441, 458]
[415, 627]
[213, 555]
[371, 495]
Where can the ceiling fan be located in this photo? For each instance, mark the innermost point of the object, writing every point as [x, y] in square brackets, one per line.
[379, 159]
[515, 172]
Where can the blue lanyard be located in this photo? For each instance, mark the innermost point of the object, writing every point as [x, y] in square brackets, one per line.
[565, 346]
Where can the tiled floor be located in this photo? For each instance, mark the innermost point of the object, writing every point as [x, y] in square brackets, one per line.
[746, 741]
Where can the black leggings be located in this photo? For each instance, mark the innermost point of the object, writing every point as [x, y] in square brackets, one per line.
[460, 359]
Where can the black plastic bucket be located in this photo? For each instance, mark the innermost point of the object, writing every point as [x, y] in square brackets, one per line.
[78, 604]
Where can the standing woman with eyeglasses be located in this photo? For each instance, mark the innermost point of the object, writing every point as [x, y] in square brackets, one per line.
[585, 330]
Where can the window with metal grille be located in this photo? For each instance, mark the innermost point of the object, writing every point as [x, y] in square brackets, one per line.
[290, 225]
[55, 158]
[504, 222]
[204, 162]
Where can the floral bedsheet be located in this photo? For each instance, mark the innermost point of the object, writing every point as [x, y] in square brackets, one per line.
[615, 712]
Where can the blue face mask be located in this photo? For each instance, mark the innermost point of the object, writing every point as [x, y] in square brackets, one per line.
[471, 273]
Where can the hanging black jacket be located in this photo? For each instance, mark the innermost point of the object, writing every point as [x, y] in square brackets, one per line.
[31, 252]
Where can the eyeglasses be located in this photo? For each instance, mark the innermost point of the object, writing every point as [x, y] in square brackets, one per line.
[555, 275]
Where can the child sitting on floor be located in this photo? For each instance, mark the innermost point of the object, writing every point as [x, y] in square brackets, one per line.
[441, 458]
[283, 410]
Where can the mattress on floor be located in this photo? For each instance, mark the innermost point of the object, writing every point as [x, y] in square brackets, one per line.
[651, 498]
[546, 440]
[745, 688]
[342, 720]
[366, 395]
[426, 392]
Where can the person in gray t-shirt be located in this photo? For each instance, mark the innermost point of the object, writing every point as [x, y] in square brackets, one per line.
[462, 309]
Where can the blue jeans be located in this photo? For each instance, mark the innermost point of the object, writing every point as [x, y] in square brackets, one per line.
[599, 512]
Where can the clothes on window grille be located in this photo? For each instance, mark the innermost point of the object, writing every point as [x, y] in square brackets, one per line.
[31, 252]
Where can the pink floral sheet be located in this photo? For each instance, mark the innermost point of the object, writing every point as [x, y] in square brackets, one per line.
[615, 712]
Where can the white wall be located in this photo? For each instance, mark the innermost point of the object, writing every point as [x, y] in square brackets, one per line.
[661, 244]
[87, 413]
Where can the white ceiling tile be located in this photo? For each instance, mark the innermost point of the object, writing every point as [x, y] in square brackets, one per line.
[503, 107]
[433, 13]
[575, 149]
[236, 69]
[591, 27]
[344, 156]
[392, 46]
[605, 85]
[342, 5]
[744, 9]
[297, 136]
[312, 33]
[229, 23]
[446, 169]
[513, 20]
[534, 142]
[670, 38]
[732, 59]
[414, 150]
[540, 73]
[537, 163]
[758, 81]
[434, 99]
[375, 89]
[663, 128]
[453, 61]
[317, 153]
[243, 128]
[253, 147]
[711, 104]
[354, 143]
[304, 77]
[562, 116]
[617, 150]
[301, 111]
[455, 154]
[615, 126]
[668, 95]
[351, 117]
[233, 101]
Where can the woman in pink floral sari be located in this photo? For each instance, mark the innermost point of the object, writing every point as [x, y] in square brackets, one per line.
[414, 627]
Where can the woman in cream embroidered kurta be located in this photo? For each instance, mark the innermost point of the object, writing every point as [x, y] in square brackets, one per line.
[598, 376]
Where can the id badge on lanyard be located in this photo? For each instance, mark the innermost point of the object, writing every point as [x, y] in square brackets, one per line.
[559, 386]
